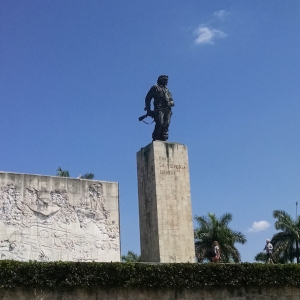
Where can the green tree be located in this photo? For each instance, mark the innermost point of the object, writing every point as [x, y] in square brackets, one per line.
[286, 242]
[87, 176]
[131, 257]
[260, 257]
[213, 229]
[62, 173]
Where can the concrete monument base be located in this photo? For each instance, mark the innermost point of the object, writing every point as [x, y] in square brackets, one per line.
[166, 228]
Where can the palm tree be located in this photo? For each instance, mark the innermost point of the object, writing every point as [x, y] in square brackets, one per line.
[131, 257]
[261, 257]
[87, 176]
[286, 242]
[65, 173]
[213, 229]
[62, 173]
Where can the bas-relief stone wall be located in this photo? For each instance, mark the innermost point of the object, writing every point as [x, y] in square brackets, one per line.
[94, 293]
[166, 227]
[47, 218]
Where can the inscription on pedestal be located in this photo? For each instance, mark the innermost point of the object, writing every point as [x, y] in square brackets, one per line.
[167, 167]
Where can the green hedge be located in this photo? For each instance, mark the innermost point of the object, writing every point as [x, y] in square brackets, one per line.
[110, 275]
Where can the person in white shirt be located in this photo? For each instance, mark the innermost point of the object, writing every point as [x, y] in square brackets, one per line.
[269, 249]
[215, 252]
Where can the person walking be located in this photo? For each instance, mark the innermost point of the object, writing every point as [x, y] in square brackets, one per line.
[215, 255]
[269, 249]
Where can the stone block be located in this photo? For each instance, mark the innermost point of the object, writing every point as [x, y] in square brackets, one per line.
[164, 203]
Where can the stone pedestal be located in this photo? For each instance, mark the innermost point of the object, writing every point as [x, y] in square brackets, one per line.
[166, 229]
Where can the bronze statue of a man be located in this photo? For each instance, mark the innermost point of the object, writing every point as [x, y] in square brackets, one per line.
[163, 103]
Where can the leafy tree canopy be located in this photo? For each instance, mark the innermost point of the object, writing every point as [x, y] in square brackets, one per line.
[87, 176]
[131, 257]
[261, 257]
[65, 173]
[213, 229]
[286, 242]
[62, 173]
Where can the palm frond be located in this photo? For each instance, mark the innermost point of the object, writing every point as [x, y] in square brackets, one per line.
[213, 229]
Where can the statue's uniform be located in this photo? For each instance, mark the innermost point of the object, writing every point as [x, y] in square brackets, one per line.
[162, 113]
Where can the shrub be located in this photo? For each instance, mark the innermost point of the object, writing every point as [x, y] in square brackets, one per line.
[112, 275]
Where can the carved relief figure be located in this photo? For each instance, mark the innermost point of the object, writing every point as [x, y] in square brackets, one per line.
[40, 205]
[92, 207]
[10, 208]
[62, 230]
[66, 213]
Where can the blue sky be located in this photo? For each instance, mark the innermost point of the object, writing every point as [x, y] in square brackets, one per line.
[74, 75]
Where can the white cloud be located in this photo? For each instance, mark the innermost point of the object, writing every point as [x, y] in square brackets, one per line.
[221, 14]
[207, 35]
[259, 226]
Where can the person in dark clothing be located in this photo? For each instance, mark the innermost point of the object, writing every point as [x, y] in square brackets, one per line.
[163, 103]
